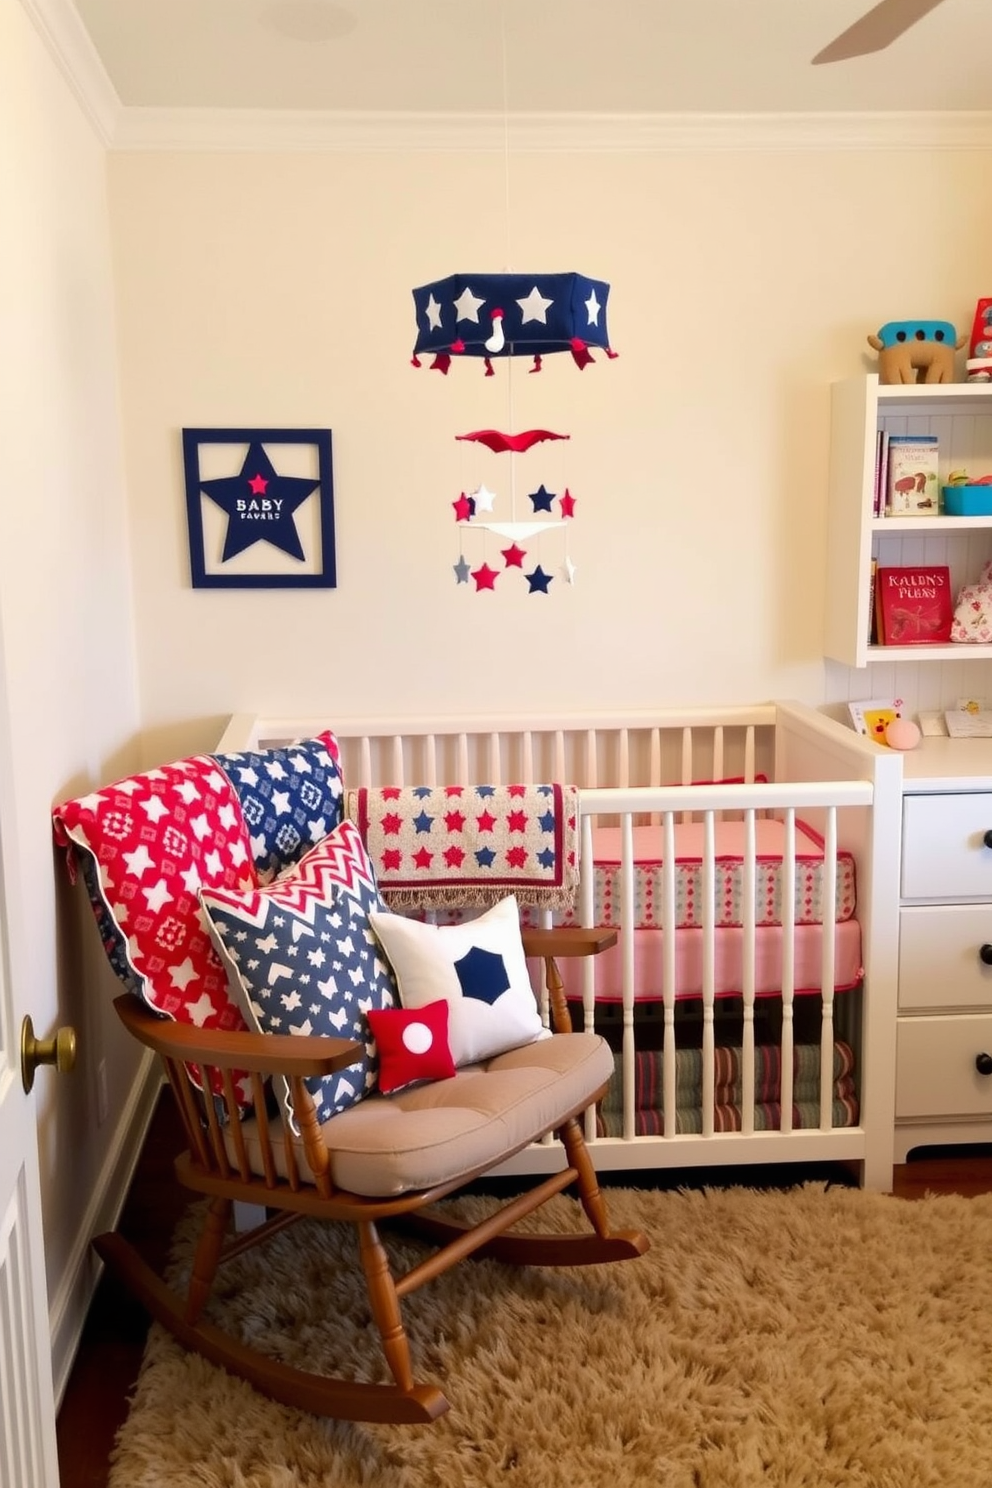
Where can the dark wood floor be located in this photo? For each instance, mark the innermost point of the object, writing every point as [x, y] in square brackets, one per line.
[106, 1366]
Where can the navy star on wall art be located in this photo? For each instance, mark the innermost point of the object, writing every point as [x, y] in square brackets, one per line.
[260, 508]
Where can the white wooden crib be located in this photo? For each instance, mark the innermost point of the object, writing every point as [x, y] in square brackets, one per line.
[769, 995]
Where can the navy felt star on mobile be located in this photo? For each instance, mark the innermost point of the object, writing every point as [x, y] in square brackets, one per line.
[539, 580]
[542, 499]
[260, 504]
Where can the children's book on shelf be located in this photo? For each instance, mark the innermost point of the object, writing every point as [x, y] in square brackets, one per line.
[912, 482]
[913, 605]
[873, 716]
[881, 473]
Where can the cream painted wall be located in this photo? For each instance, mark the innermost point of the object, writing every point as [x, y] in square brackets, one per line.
[262, 289]
[67, 666]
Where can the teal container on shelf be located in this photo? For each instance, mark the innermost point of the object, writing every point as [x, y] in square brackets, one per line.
[968, 501]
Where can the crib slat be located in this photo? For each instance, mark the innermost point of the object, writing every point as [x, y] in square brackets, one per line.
[669, 986]
[495, 776]
[399, 769]
[708, 970]
[827, 970]
[592, 763]
[586, 917]
[627, 954]
[527, 742]
[748, 973]
[787, 1051]
[718, 770]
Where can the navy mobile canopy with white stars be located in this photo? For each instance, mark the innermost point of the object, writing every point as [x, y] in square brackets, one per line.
[493, 315]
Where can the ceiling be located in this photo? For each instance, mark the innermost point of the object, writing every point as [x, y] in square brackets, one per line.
[557, 56]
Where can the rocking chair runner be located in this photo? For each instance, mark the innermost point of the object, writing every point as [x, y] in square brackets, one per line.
[392, 1147]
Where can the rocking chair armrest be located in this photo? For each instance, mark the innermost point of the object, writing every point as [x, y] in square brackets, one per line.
[266, 1053]
[568, 940]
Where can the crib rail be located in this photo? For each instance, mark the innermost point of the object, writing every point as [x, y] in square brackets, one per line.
[668, 747]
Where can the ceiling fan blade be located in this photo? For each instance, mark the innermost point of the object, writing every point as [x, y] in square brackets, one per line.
[879, 28]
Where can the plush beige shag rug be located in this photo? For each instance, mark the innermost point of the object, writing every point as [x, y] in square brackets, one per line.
[798, 1339]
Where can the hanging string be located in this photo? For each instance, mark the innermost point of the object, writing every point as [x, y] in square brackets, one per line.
[506, 258]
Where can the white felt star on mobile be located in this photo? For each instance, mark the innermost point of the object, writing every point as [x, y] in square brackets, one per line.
[534, 307]
[467, 305]
[483, 498]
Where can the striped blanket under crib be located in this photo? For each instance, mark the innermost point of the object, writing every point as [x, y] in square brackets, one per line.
[728, 1090]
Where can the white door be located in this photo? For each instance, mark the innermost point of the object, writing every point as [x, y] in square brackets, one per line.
[28, 1456]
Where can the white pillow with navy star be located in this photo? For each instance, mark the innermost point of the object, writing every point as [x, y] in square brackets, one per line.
[478, 967]
[302, 958]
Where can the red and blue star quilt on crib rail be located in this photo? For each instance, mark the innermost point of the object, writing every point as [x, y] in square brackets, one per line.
[470, 845]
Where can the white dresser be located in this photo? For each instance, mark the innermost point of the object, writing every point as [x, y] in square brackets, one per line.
[944, 1036]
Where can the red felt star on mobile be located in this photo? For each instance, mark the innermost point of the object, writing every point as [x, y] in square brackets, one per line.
[567, 503]
[485, 577]
[514, 556]
[464, 508]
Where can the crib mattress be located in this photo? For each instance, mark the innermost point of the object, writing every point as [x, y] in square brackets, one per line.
[729, 876]
[729, 948]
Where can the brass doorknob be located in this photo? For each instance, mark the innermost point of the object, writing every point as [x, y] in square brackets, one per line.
[60, 1051]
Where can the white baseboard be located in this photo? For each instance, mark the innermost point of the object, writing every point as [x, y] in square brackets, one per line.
[69, 1306]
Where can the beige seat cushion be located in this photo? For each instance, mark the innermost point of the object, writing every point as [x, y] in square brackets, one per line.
[446, 1129]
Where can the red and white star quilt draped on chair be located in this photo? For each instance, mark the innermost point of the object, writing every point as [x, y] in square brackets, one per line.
[315, 1077]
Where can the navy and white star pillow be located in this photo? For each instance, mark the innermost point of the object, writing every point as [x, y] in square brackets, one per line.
[301, 955]
[478, 967]
[290, 798]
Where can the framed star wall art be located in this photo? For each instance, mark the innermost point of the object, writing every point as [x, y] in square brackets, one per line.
[260, 508]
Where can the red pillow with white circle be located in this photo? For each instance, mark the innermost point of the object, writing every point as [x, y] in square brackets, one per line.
[412, 1044]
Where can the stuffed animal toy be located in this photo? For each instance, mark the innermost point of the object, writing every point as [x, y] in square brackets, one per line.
[916, 350]
[979, 364]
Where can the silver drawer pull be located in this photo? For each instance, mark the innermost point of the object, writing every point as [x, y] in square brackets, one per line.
[983, 1064]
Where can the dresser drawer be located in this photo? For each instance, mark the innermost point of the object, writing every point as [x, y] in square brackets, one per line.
[939, 961]
[943, 850]
[935, 1066]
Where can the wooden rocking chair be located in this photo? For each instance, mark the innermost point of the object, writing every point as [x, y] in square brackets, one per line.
[364, 1166]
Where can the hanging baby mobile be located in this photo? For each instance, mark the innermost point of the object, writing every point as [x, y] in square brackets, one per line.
[491, 316]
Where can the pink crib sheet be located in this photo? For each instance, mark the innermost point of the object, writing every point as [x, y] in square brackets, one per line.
[728, 963]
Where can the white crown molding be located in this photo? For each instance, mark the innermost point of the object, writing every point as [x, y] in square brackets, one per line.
[68, 43]
[132, 128]
[291, 130]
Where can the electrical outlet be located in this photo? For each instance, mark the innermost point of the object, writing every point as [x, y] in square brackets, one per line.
[101, 1092]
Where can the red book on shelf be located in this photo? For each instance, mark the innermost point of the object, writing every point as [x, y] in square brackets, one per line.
[914, 606]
